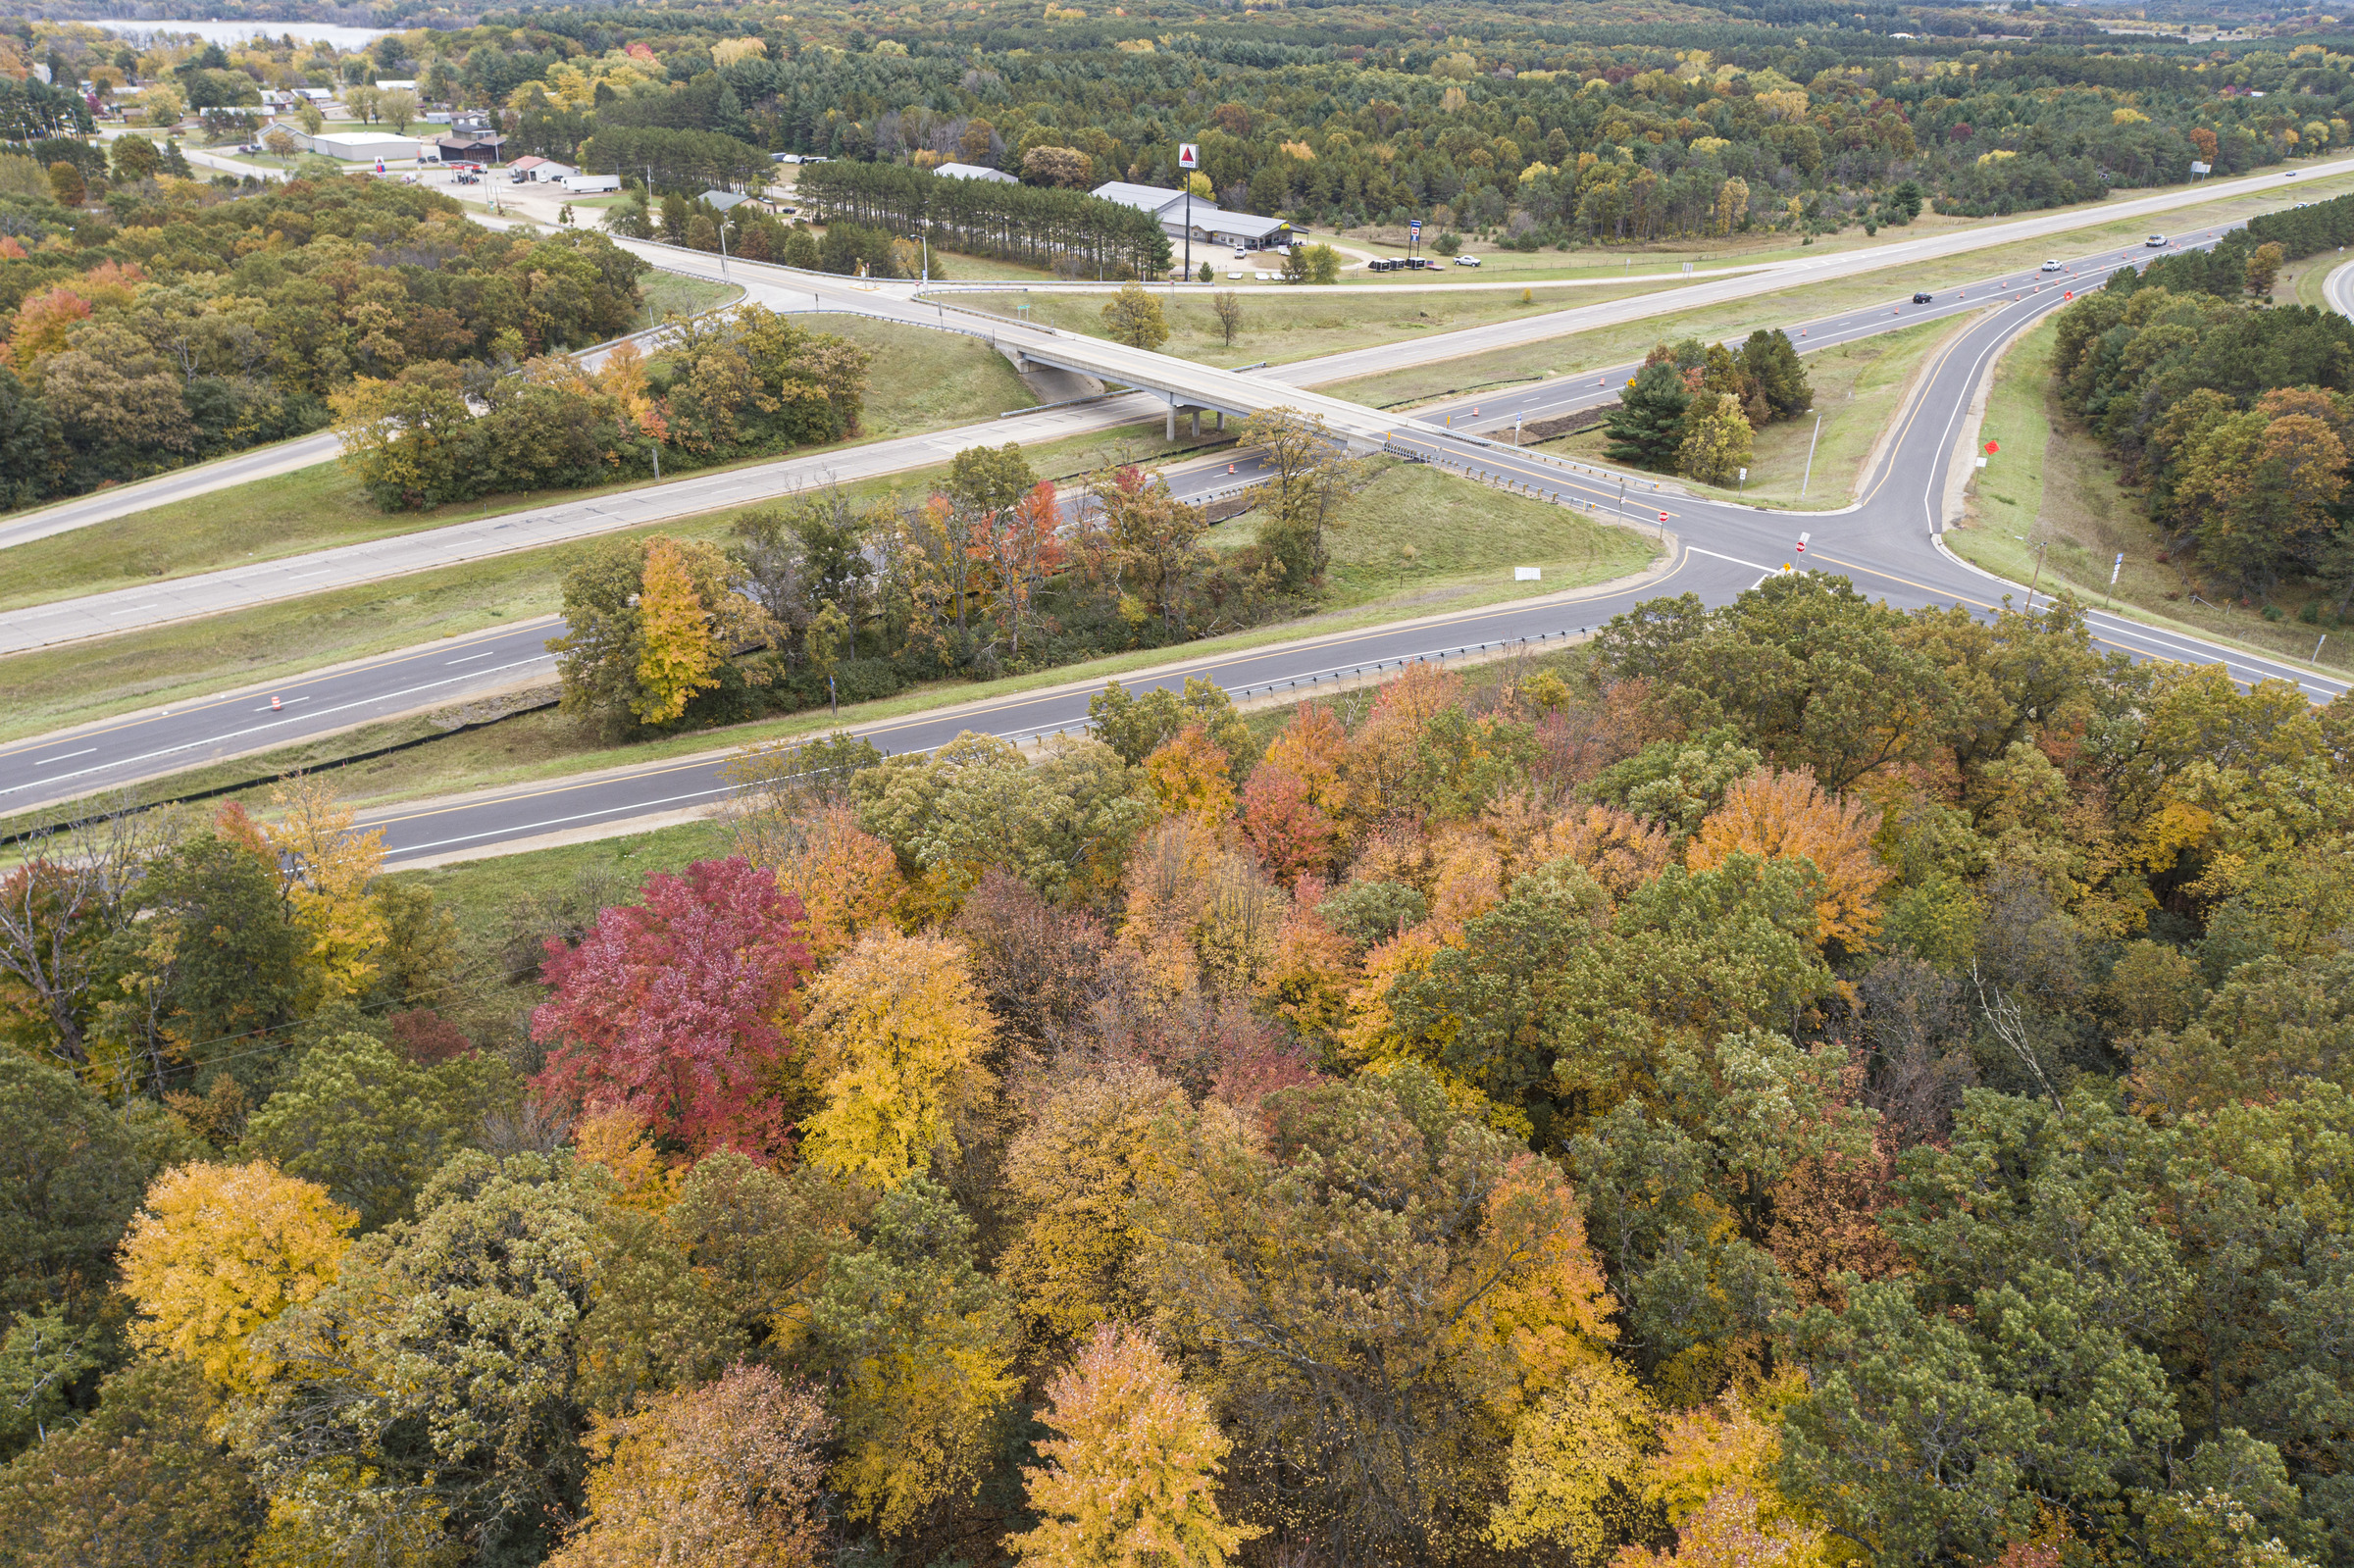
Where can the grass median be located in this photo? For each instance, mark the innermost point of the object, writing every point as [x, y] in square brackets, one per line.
[1413, 541]
[919, 381]
[51, 689]
[1303, 323]
[1594, 349]
[2049, 511]
[1860, 386]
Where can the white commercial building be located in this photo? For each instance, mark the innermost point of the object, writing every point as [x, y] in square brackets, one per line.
[356, 146]
[976, 172]
[1211, 224]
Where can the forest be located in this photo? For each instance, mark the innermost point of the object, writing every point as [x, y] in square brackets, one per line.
[199, 321]
[1796, 1082]
[2232, 413]
[1534, 133]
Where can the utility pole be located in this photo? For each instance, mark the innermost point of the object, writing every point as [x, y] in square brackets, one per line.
[2040, 547]
[1622, 499]
[1189, 159]
[723, 248]
[1809, 474]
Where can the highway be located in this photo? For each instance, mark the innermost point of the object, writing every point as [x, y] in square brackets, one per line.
[1887, 542]
[1171, 384]
[132, 747]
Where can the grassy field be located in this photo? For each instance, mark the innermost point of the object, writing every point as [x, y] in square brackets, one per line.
[50, 688]
[1281, 327]
[478, 892]
[2055, 489]
[2300, 281]
[1612, 345]
[1414, 541]
[1859, 387]
[662, 295]
[1418, 530]
[918, 380]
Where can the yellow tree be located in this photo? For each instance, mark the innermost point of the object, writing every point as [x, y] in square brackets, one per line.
[676, 658]
[846, 879]
[1134, 318]
[898, 1039]
[218, 1250]
[1131, 1481]
[329, 869]
[1712, 1474]
[1786, 816]
[723, 1476]
[1190, 776]
[1073, 1172]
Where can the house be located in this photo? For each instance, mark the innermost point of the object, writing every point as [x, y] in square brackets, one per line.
[321, 96]
[470, 147]
[388, 84]
[356, 146]
[536, 168]
[976, 172]
[723, 200]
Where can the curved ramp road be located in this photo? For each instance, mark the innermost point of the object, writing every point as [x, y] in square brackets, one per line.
[1172, 383]
[1888, 544]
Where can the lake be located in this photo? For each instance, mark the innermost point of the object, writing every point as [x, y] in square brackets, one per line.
[225, 34]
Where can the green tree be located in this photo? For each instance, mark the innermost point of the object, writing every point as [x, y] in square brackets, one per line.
[1135, 727]
[369, 1126]
[143, 1481]
[923, 1346]
[1134, 317]
[72, 1172]
[1647, 428]
[1386, 1290]
[800, 250]
[1717, 440]
[1310, 475]
[1772, 365]
[444, 1358]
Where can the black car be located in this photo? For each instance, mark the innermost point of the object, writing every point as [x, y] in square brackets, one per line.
[1922, 299]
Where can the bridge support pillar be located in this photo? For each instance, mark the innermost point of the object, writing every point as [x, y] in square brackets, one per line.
[1196, 413]
[1172, 436]
[1221, 422]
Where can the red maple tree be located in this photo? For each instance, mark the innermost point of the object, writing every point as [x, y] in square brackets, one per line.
[676, 1007]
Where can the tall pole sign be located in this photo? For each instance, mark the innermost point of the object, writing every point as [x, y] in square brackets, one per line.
[1189, 159]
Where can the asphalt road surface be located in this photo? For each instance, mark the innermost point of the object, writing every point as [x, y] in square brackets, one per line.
[1887, 544]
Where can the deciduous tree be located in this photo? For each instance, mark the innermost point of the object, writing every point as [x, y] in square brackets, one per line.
[727, 1474]
[1134, 317]
[1131, 1476]
[219, 1250]
[898, 1040]
[676, 1006]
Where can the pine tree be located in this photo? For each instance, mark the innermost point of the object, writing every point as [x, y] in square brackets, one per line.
[1648, 425]
[1770, 362]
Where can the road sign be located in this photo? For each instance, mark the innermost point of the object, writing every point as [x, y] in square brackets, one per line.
[2117, 566]
[1993, 447]
[1189, 156]
[1663, 517]
[1801, 542]
[1414, 225]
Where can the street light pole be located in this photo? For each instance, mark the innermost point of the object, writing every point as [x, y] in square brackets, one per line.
[1809, 474]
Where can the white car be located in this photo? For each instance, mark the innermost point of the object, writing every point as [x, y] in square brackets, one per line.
[2154, 242]
[2051, 267]
[1466, 261]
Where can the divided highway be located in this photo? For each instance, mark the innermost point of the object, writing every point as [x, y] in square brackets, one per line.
[1886, 543]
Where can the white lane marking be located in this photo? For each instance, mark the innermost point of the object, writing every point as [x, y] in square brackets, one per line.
[275, 707]
[1694, 549]
[63, 755]
[284, 719]
[471, 657]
